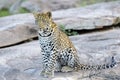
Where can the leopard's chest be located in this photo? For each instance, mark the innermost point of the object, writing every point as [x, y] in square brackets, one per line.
[46, 44]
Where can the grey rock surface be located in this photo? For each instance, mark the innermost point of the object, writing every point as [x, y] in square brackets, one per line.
[18, 28]
[6, 3]
[90, 17]
[37, 5]
[17, 34]
[23, 62]
[14, 9]
[32, 5]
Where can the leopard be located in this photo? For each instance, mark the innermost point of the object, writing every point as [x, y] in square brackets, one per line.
[58, 51]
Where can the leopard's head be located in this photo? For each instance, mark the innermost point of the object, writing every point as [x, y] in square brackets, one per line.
[45, 23]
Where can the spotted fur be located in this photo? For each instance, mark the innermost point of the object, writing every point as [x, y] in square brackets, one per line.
[58, 51]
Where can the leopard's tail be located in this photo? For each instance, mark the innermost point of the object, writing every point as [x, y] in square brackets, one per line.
[98, 67]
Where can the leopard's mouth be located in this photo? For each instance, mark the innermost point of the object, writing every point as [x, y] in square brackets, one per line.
[45, 35]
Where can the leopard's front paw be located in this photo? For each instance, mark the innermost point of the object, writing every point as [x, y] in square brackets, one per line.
[42, 73]
[47, 74]
[66, 69]
[57, 69]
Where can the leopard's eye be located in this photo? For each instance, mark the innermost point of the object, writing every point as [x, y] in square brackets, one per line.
[46, 28]
[40, 29]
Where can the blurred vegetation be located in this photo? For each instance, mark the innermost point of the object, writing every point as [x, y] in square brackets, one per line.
[69, 32]
[5, 12]
[23, 10]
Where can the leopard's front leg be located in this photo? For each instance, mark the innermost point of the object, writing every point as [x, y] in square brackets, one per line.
[44, 62]
[49, 62]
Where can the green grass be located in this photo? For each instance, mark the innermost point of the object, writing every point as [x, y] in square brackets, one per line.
[69, 32]
[23, 10]
[4, 12]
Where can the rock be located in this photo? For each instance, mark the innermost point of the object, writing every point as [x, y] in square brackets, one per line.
[90, 17]
[24, 61]
[15, 7]
[6, 3]
[53, 5]
[15, 29]
[31, 5]
[11, 74]
[17, 34]
[37, 5]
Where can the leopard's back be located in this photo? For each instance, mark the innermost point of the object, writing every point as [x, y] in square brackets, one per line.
[65, 41]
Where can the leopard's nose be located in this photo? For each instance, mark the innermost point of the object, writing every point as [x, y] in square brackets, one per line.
[44, 31]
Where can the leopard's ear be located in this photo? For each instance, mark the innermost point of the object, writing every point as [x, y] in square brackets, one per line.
[49, 14]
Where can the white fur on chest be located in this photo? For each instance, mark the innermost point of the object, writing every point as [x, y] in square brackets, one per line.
[44, 39]
[46, 43]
